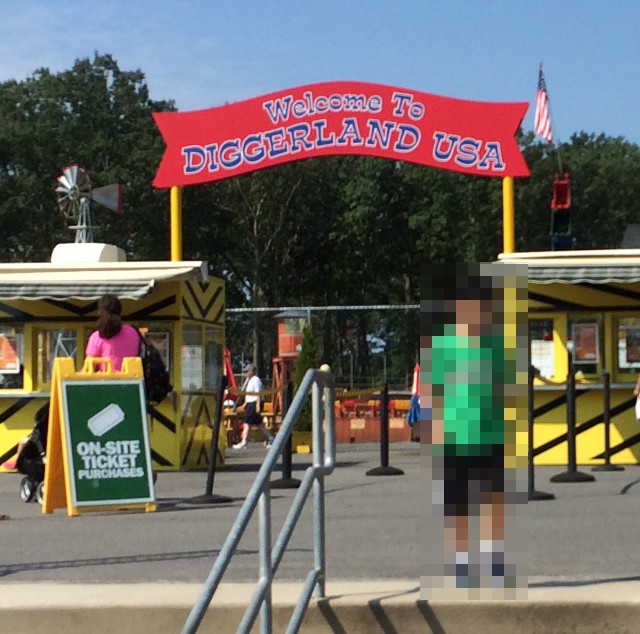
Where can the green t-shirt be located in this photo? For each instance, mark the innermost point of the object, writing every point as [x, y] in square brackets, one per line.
[468, 373]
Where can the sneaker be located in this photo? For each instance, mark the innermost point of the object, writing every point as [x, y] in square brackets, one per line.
[462, 575]
[497, 565]
[240, 445]
[269, 442]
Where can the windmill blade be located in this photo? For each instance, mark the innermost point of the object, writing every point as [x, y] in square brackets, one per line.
[110, 196]
[76, 180]
[70, 173]
[73, 183]
[63, 192]
[66, 201]
[65, 185]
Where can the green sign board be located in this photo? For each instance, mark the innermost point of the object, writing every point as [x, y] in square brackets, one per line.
[107, 442]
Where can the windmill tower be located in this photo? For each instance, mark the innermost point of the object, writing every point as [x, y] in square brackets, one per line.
[74, 195]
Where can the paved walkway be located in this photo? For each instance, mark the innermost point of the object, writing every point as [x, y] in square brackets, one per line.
[180, 541]
[582, 545]
[588, 533]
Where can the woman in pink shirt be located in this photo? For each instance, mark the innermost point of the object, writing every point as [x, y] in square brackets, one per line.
[113, 339]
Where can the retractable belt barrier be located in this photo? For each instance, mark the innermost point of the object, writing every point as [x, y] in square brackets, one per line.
[571, 474]
[606, 414]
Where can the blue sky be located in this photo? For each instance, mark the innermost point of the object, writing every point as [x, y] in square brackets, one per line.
[203, 53]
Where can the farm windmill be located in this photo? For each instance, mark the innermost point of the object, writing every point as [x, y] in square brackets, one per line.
[74, 195]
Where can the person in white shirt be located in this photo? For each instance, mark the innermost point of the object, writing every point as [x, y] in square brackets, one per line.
[252, 386]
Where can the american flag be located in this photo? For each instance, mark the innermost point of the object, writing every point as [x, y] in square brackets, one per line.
[542, 119]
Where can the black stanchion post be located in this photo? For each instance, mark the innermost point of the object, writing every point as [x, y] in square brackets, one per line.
[571, 474]
[533, 494]
[209, 497]
[384, 468]
[606, 415]
[286, 481]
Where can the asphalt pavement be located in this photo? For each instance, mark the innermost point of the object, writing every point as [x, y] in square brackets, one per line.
[370, 530]
[587, 535]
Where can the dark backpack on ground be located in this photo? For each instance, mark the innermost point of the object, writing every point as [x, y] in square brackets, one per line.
[156, 377]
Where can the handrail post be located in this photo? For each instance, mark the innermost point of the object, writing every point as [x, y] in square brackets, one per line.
[318, 491]
[258, 497]
[606, 418]
[266, 573]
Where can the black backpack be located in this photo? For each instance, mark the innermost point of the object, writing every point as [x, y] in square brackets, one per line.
[156, 377]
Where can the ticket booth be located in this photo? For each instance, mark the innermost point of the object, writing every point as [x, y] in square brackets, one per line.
[48, 310]
[584, 314]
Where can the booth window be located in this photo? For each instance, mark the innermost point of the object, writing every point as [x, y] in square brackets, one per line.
[213, 359]
[629, 344]
[585, 335]
[11, 357]
[52, 343]
[192, 366]
[161, 341]
[541, 349]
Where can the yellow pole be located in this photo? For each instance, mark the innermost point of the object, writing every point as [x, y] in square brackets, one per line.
[176, 224]
[508, 215]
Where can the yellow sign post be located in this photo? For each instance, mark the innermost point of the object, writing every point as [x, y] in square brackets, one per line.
[98, 451]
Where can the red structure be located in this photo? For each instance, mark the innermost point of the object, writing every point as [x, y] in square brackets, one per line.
[290, 326]
[561, 192]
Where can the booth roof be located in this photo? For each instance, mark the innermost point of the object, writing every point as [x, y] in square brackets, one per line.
[575, 267]
[127, 280]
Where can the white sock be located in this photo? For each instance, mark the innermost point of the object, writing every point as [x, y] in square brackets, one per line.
[491, 546]
[462, 557]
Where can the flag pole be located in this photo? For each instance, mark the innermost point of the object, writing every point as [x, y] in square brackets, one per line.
[543, 123]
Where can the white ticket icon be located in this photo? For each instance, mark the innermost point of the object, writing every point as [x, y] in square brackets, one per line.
[105, 419]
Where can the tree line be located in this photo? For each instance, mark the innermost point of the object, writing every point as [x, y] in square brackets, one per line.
[342, 230]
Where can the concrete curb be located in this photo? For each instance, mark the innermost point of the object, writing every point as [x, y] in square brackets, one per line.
[350, 608]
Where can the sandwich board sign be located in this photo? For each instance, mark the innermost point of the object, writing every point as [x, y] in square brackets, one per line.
[98, 452]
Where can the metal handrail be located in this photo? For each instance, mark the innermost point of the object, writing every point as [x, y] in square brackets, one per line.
[324, 458]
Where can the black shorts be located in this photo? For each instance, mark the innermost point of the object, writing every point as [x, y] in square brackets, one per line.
[470, 480]
[251, 416]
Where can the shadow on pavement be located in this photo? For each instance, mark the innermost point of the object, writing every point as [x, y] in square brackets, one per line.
[383, 619]
[255, 466]
[578, 583]
[11, 569]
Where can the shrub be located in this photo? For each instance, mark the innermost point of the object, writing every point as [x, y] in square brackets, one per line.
[306, 359]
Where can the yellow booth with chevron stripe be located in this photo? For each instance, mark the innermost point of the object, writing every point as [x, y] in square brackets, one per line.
[584, 308]
[48, 310]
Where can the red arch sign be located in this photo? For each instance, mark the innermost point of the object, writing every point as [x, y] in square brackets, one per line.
[469, 137]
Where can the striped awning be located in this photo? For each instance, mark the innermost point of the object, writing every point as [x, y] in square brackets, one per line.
[89, 291]
[593, 274]
[90, 281]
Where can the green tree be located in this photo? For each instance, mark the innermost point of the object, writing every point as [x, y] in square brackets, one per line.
[327, 231]
[94, 115]
[306, 360]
